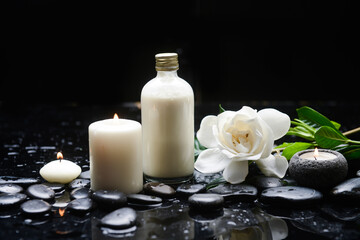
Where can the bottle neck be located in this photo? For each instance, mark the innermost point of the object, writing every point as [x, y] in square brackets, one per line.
[167, 74]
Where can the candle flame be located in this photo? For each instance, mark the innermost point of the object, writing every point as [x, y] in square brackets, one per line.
[59, 155]
[61, 212]
[316, 153]
[116, 116]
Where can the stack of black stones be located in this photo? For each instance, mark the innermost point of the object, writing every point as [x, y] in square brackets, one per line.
[33, 209]
[42, 200]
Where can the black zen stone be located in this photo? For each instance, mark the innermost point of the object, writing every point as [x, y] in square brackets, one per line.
[290, 196]
[236, 192]
[319, 174]
[77, 183]
[206, 202]
[57, 187]
[18, 180]
[120, 219]
[262, 182]
[35, 207]
[109, 199]
[85, 175]
[188, 189]
[143, 199]
[347, 191]
[40, 191]
[10, 199]
[81, 205]
[80, 193]
[10, 188]
[159, 189]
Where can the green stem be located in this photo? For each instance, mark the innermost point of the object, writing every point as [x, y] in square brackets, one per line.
[353, 141]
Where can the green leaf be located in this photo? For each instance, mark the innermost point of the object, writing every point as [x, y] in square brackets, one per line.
[315, 118]
[327, 137]
[221, 109]
[352, 154]
[336, 124]
[298, 133]
[295, 147]
[283, 145]
[198, 148]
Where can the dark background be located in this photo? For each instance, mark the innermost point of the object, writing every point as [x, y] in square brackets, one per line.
[103, 51]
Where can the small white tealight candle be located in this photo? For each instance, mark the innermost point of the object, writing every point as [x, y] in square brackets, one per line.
[116, 155]
[60, 171]
[316, 155]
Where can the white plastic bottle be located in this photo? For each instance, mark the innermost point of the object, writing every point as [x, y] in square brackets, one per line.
[167, 115]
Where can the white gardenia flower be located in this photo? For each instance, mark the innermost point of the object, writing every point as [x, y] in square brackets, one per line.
[234, 138]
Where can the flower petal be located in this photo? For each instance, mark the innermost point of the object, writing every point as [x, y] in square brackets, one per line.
[278, 122]
[236, 172]
[273, 166]
[211, 161]
[205, 134]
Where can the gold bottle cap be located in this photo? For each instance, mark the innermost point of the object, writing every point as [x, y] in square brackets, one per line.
[166, 62]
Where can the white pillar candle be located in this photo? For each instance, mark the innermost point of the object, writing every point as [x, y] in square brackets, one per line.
[116, 155]
[60, 171]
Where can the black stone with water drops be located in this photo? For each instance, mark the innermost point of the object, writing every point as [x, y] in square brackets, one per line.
[81, 192]
[206, 202]
[10, 188]
[188, 189]
[11, 199]
[289, 196]
[109, 199]
[348, 190]
[40, 191]
[143, 199]
[159, 189]
[236, 192]
[120, 219]
[35, 207]
[81, 205]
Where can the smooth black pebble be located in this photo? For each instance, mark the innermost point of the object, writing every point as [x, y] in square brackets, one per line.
[85, 175]
[40, 191]
[80, 193]
[236, 192]
[35, 207]
[57, 187]
[187, 189]
[159, 189]
[18, 180]
[109, 199]
[77, 183]
[81, 205]
[120, 219]
[10, 188]
[348, 190]
[289, 196]
[10, 199]
[262, 182]
[143, 199]
[206, 202]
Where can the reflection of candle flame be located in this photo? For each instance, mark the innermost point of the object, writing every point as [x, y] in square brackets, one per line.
[59, 155]
[61, 212]
[316, 153]
[116, 116]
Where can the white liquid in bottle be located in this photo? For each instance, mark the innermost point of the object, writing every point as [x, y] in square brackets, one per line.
[167, 112]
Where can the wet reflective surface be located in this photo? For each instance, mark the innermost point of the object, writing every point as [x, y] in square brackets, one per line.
[31, 137]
